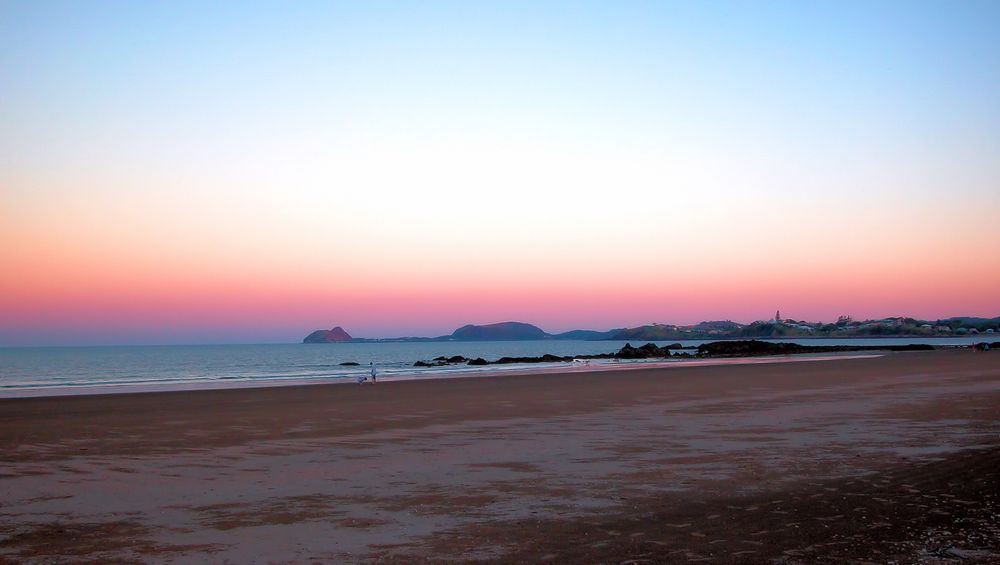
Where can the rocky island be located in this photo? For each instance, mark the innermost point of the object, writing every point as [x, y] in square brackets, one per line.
[336, 335]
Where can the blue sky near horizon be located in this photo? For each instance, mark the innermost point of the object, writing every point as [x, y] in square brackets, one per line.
[780, 69]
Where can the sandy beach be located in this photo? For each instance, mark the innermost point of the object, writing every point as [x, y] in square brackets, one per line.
[888, 458]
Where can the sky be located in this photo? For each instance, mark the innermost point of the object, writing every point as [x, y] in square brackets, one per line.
[221, 172]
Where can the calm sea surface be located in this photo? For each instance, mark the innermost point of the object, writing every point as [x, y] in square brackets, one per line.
[58, 370]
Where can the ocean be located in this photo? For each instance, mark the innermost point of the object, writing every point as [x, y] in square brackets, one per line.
[33, 371]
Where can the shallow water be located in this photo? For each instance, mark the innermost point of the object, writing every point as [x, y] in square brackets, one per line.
[36, 369]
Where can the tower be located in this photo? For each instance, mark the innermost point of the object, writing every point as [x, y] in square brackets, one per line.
[777, 315]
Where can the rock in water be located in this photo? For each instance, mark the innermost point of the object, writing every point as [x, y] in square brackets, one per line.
[648, 351]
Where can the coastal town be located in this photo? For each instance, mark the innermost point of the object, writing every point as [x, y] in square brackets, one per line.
[845, 326]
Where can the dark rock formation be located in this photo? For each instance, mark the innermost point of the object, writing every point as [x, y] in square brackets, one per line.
[336, 335]
[648, 351]
[349, 364]
[751, 348]
[441, 361]
[743, 348]
[547, 358]
[452, 359]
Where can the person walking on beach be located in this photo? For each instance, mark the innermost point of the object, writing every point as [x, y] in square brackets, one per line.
[374, 372]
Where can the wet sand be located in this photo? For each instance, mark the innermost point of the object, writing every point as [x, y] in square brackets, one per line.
[877, 459]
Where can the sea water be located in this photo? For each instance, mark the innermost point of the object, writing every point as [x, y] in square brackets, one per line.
[60, 370]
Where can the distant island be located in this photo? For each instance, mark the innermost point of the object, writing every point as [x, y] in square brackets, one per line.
[777, 327]
[504, 331]
[335, 335]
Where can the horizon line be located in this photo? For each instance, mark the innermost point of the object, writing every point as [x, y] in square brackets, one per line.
[398, 337]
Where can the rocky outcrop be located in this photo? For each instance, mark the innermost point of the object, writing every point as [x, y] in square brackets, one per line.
[751, 348]
[547, 358]
[648, 351]
[441, 361]
[452, 359]
[336, 335]
[743, 348]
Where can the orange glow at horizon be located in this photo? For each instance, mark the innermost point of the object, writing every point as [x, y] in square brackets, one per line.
[61, 283]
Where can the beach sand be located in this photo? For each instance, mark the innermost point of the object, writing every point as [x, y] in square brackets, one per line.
[892, 458]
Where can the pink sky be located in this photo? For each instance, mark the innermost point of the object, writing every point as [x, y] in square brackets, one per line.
[65, 290]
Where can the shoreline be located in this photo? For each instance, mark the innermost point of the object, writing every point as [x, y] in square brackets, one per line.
[494, 371]
[33, 372]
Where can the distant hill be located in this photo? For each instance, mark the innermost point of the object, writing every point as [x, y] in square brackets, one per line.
[971, 321]
[653, 332]
[585, 335]
[718, 325]
[719, 329]
[336, 335]
[504, 331]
